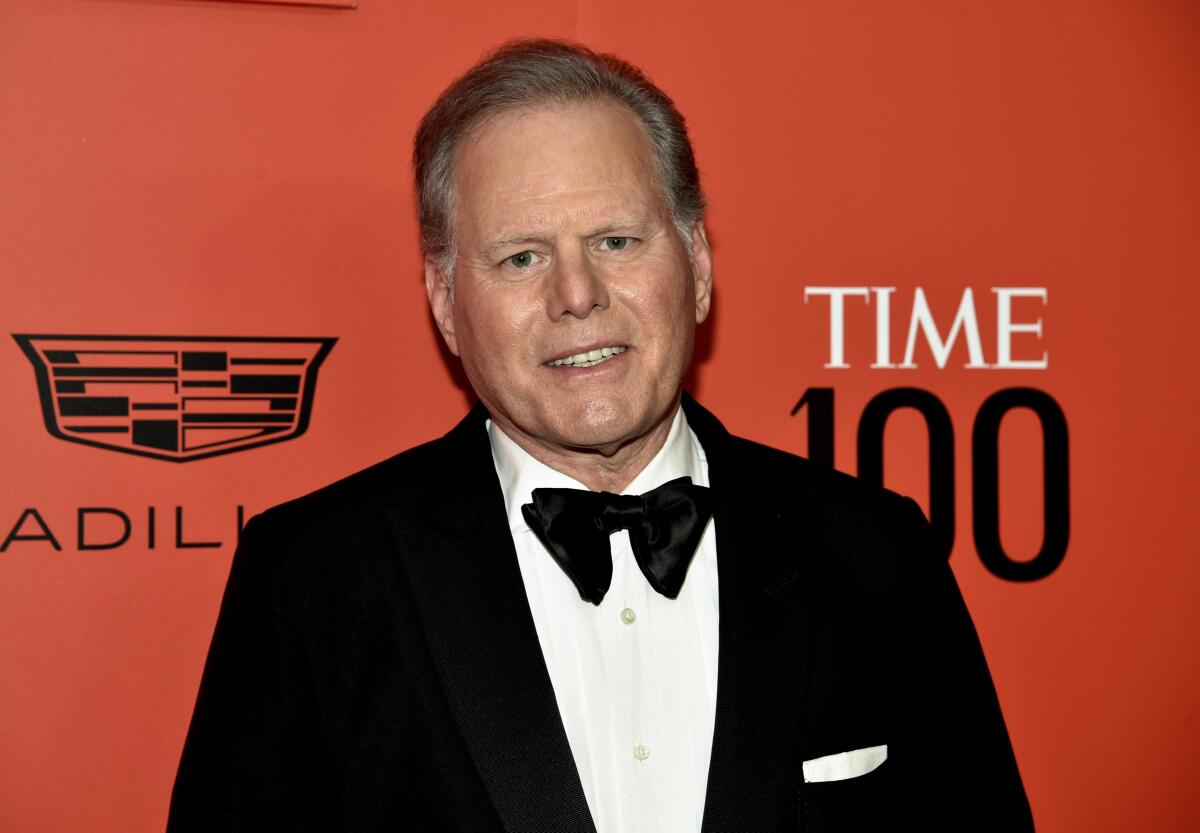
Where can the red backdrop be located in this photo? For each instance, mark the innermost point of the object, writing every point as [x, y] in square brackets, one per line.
[218, 169]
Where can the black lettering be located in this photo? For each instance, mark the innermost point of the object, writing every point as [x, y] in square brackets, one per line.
[985, 499]
[82, 515]
[941, 452]
[820, 424]
[187, 545]
[17, 535]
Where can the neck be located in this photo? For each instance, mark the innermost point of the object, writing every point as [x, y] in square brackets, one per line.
[602, 469]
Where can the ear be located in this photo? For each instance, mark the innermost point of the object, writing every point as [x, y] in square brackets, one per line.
[441, 302]
[702, 270]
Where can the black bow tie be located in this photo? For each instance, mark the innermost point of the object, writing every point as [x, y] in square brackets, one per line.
[665, 526]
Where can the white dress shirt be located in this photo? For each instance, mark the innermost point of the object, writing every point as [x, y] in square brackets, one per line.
[635, 676]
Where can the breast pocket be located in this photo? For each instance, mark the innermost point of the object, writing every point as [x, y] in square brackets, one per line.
[854, 791]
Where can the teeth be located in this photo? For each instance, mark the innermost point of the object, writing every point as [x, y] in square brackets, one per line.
[588, 359]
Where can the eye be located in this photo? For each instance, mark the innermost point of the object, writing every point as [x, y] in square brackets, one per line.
[521, 260]
[616, 244]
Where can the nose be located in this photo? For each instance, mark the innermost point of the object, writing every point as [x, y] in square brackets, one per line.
[576, 288]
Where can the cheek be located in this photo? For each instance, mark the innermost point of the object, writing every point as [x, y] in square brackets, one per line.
[664, 301]
[495, 328]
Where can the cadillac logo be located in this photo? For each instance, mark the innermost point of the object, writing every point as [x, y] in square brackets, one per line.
[175, 398]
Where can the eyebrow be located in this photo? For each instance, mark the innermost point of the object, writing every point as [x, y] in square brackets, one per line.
[629, 225]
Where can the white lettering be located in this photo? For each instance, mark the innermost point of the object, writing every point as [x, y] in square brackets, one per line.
[883, 326]
[964, 320]
[1005, 327]
[837, 318]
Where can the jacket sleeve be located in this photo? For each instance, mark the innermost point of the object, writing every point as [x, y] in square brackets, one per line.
[965, 773]
[250, 761]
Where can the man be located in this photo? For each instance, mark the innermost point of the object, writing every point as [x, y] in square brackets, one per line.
[480, 635]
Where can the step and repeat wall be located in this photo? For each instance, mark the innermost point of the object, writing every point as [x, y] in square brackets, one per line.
[956, 253]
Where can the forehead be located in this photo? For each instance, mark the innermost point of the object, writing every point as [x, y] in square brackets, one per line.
[549, 160]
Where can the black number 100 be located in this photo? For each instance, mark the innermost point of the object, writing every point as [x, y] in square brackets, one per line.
[985, 467]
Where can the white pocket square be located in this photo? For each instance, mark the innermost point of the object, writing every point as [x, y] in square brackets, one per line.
[844, 765]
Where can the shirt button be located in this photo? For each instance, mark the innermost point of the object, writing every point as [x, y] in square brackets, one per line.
[641, 751]
[628, 616]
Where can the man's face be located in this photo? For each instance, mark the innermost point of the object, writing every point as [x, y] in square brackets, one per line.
[566, 248]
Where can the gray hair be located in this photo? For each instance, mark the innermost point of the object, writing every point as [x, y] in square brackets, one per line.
[526, 73]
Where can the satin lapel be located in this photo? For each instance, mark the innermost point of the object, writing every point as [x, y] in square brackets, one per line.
[766, 627]
[468, 593]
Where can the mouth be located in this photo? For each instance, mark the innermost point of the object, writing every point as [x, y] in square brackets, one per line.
[588, 358]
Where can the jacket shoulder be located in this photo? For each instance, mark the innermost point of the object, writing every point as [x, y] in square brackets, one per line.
[855, 528]
[799, 478]
[410, 482]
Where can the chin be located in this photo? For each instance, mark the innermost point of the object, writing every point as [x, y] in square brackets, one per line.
[605, 423]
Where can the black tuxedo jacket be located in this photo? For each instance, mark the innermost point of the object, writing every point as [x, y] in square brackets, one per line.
[375, 666]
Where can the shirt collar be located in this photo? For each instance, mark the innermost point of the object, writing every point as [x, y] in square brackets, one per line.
[520, 473]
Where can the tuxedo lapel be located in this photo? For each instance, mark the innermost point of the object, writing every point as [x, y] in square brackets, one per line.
[767, 621]
[469, 595]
